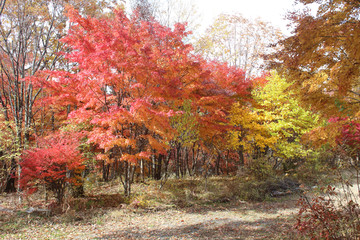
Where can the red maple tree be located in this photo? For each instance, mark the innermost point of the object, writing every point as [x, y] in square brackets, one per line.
[129, 77]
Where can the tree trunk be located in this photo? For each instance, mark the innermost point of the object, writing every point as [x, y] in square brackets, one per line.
[177, 160]
[106, 171]
[166, 164]
[241, 156]
[10, 184]
[187, 167]
[127, 178]
[142, 170]
[195, 159]
[158, 166]
[217, 165]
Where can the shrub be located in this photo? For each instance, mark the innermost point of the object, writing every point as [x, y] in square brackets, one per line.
[326, 218]
[260, 168]
[50, 163]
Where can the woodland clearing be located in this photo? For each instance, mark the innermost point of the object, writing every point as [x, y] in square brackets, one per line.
[170, 215]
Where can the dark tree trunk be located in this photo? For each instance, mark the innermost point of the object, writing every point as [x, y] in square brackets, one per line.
[158, 166]
[187, 167]
[241, 156]
[177, 160]
[10, 184]
[227, 162]
[217, 166]
[106, 171]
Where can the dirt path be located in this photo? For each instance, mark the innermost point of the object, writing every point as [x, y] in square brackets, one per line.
[240, 221]
[236, 223]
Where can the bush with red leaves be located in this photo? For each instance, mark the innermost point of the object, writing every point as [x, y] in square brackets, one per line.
[49, 163]
[327, 218]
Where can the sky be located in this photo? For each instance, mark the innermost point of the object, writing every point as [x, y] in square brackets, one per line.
[272, 11]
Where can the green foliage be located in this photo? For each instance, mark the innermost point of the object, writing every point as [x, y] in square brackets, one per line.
[186, 125]
[260, 168]
[9, 148]
[284, 116]
[253, 191]
[9, 151]
[141, 201]
[316, 168]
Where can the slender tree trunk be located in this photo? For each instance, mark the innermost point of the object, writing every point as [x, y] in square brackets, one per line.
[194, 161]
[187, 167]
[217, 165]
[205, 171]
[127, 178]
[227, 162]
[166, 164]
[181, 160]
[177, 163]
[142, 170]
[158, 166]
[241, 156]
[105, 170]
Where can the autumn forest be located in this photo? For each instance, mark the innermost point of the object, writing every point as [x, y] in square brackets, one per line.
[92, 93]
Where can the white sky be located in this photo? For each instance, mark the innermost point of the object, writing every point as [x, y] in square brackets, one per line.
[272, 11]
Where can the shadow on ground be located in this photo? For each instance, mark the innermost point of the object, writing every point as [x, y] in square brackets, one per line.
[213, 229]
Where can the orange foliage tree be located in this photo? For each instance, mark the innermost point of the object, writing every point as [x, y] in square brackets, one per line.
[129, 77]
[322, 56]
[322, 59]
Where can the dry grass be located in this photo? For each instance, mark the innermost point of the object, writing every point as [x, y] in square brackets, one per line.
[183, 209]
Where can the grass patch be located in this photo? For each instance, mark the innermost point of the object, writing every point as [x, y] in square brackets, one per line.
[196, 191]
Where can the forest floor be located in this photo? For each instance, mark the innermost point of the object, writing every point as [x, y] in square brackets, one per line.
[226, 221]
[186, 216]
